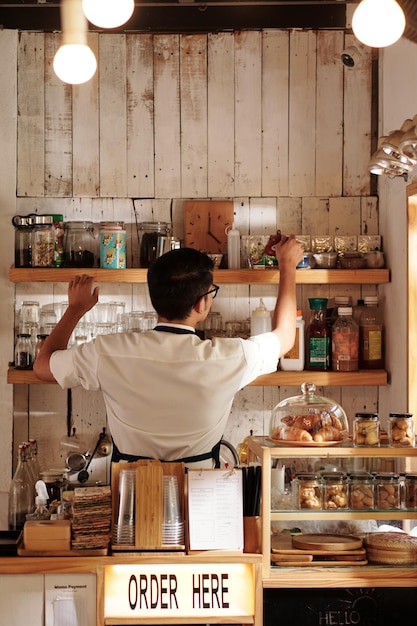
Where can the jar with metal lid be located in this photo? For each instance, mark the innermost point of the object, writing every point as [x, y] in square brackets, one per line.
[366, 430]
[335, 491]
[43, 241]
[148, 233]
[401, 430]
[22, 240]
[79, 244]
[308, 491]
[112, 245]
[309, 419]
[361, 491]
[56, 480]
[410, 491]
[387, 491]
[23, 354]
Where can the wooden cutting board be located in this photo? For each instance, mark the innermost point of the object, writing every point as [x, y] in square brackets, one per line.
[326, 542]
[284, 554]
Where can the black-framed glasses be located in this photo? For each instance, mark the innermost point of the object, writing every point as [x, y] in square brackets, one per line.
[213, 291]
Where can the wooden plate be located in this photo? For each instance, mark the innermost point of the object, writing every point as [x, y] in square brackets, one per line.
[306, 444]
[323, 541]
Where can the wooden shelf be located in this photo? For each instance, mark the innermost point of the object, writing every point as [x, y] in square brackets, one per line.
[224, 277]
[277, 379]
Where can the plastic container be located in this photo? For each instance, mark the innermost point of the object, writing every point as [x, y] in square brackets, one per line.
[233, 248]
[366, 430]
[80, 244]
[317, 345]
[112, 245]
[401, 430]
[309, 419]
[387, 491]
[260, 320]
[335, 491]
[371, 335]
[293, 361]
[345, 342]
[361, 492]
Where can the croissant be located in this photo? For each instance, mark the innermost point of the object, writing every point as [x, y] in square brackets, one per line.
[291, 433]
[328, 433]
[307, 422]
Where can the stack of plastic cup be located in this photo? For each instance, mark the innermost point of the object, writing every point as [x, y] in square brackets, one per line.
[172, 523]
[124, 530]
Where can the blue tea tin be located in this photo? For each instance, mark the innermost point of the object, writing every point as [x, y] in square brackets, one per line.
[112, 245]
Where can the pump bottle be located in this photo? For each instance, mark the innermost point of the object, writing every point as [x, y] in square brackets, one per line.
[260, 321]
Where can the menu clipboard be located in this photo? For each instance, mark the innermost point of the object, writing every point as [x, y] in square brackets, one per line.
[215, 509]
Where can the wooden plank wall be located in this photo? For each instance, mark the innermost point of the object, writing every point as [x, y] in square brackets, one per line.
[270, 119]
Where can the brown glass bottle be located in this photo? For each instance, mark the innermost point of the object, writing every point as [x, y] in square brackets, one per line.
[318, 335]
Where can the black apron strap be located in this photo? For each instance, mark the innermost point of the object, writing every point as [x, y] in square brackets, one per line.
[130, 458]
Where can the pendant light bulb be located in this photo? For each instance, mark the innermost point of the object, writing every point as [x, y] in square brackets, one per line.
[75, 63]
[108, 13]
[378, 23]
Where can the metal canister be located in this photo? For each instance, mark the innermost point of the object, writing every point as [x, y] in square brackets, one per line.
[112, 245]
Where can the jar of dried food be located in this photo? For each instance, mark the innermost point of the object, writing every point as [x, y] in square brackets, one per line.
[401, 430]
[79, 244]
[335, 491]
[308, 491]
[387, 491]
[23, 357]
[148, 239]
[43, 241]
[361, 492]
[366, 430]
[410, 491]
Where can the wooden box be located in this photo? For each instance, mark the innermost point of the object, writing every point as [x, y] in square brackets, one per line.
[148, 503]
[47, 535]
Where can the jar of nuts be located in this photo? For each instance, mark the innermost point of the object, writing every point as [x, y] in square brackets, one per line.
[361, 492]
[308, 490]
[387, 491]
[43, 241]
[410, 489]
[335, 491]
[366, 429]
[401, 430]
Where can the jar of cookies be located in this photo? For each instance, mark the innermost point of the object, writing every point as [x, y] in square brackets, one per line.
[308, 491]
[335, 491]
[361, 492]
[387, 491]
[410, 491]
[309, 419]
[366, 430]
[401, 430]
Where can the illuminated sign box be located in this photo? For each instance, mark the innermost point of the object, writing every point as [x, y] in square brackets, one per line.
[179, 590]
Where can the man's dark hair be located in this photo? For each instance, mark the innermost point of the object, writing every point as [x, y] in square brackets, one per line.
[177, 280]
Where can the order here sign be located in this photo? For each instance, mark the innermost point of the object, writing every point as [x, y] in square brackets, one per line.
[179, 590]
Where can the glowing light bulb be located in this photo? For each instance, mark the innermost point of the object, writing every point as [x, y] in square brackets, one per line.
[108, 13]
[75, 63]
[378, 23]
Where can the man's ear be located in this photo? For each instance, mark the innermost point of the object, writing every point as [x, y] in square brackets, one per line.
[200, 305]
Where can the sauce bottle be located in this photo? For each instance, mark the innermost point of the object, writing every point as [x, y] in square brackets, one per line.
[371, 335]
[345, 342]
[318, 337]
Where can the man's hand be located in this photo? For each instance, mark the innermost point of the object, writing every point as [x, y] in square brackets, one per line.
[288, 251]
[81, 296]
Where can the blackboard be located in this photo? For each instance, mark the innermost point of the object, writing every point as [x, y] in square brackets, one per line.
[379, 606]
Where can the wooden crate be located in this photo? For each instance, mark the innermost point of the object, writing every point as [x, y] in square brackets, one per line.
[149, 502]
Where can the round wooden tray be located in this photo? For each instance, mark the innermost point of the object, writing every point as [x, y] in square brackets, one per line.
[323, 541]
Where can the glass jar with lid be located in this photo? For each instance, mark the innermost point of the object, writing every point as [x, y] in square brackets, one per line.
[401, 430]
[366, 430]
[148, 233]
[22, 240]
[309, 419]
[387, 491]
[361, 491]
[79, 244]
[410, 491]
[23, 358]
[335, 491]
[112, 245]
[43, 241]
[307, 491]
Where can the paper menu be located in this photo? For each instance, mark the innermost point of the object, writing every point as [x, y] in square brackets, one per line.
[215, 509]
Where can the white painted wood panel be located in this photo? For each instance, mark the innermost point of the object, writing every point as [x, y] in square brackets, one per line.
[112, 105]
[167, 116]
[140, 115]
[248, 113]
[193, 89]
[31, 119]
[220, 115]
[85, 133]
[22, 599]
